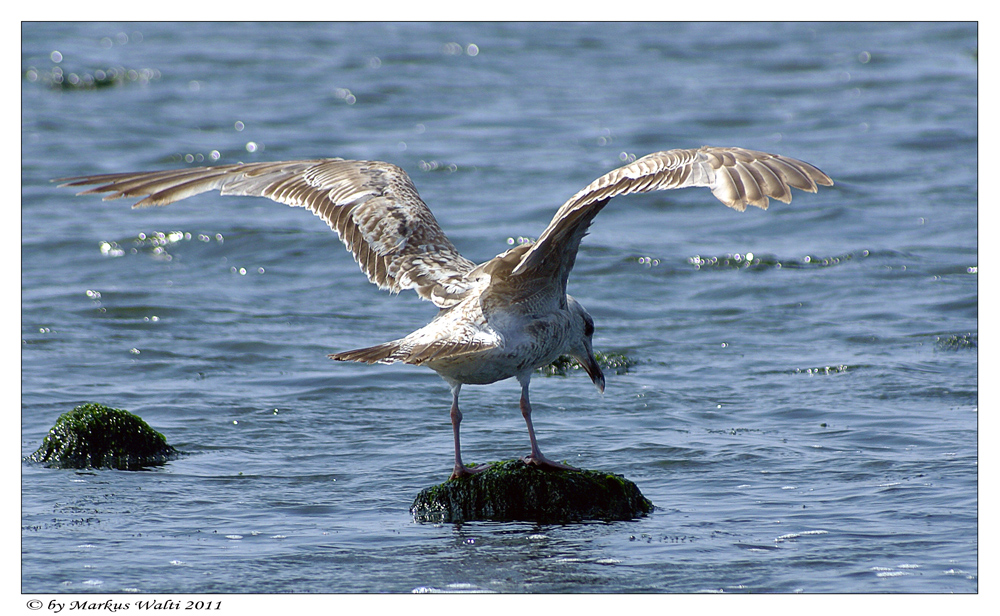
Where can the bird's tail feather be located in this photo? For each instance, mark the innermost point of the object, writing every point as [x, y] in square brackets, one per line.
[414, 352]
[385, 353]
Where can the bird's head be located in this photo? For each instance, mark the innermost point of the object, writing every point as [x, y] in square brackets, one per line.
[582, 348]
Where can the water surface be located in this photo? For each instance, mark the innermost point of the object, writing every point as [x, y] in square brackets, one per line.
[805, 421]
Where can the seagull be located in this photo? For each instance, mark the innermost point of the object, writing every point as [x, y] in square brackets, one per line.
[498, 319]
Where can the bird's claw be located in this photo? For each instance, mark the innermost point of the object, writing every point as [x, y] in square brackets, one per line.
[468, 471]
[544, 463]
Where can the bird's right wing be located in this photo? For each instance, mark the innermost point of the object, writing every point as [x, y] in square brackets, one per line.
[373, 207]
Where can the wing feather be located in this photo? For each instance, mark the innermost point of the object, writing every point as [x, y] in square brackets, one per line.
[736, 176]
[372, 206]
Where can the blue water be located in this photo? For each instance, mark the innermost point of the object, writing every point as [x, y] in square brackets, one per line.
[805, 423]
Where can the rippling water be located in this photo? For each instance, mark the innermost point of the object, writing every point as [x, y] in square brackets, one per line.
[804, 416]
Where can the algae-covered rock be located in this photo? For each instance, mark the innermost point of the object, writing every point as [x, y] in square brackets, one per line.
[958, 342]
[96, 436]
[512, 490]
[619, 363]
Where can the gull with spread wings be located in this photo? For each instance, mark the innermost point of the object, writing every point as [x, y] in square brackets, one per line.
[499, 319]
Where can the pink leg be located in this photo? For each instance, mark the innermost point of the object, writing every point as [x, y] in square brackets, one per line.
[536, 457]
[460, 469]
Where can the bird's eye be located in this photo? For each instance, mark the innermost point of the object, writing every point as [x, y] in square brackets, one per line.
[588, 327]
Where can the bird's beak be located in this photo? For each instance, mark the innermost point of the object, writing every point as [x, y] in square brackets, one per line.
[594, 372]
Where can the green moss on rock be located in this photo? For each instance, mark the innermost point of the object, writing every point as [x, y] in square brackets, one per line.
[96, 436]
[512, 490]
[619, 363]
[958, 342]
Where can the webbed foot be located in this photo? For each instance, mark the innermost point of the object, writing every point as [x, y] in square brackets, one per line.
[542, 462]
[462, 470]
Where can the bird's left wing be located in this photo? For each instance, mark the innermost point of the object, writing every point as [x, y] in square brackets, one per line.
[737, 177]
[373, 207]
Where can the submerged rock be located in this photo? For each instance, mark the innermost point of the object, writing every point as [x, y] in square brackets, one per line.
[96, 436]
[958, 342]
[66, 78]
[512, 490]
[619, 363]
